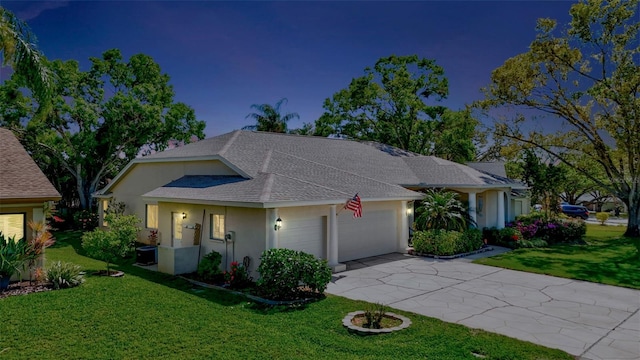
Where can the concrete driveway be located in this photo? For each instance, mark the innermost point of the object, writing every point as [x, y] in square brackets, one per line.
[588, 320]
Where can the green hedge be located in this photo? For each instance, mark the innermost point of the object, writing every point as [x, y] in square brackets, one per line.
[447, 242]
[285, 272]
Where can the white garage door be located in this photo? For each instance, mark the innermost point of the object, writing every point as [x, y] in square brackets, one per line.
[306, 235]
[375, 233]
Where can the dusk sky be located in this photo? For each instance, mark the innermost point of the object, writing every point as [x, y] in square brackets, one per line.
[224, 56]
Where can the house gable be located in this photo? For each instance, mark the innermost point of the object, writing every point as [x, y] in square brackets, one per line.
[21, 180]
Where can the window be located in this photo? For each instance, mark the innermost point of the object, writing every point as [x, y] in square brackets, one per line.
[105, 206]
[12, 225]
[216, 230]
[151, 218]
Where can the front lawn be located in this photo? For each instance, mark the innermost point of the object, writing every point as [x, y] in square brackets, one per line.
[151, 315]
[608, 258]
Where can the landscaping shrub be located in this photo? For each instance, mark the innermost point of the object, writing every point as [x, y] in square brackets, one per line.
[12, 255]
[284, 271]
[209, 266]
[115, 243]
[490, 235]
[602, 217]
[472, 240]
[64, 275]
[562, 231]
[446, 242]
[85, 220]
[533, 243]
[552, 230]
[237, 277]
[509, 237]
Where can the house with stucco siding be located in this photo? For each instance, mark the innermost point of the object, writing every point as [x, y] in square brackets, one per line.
[24, 188]
[227, 193]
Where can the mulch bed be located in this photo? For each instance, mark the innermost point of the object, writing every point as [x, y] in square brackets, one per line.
[24, 288]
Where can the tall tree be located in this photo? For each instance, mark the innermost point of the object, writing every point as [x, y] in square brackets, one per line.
[17, 45]
[587, 78]
[101, 119]
[269, 118]
[389, 105]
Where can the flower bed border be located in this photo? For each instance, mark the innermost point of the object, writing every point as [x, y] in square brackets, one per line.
[411, 251]
[249, 296]
[346, 322]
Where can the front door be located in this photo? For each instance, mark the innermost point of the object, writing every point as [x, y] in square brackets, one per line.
[176, 229]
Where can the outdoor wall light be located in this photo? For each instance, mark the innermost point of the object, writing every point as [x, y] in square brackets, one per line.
[184, 215]
[278, 224]
[409, 211]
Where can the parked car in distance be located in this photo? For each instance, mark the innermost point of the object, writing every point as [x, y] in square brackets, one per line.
[577, 211]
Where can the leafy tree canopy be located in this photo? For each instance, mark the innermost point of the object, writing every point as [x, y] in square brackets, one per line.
[101, 119]
[587, 77]
[389, 105]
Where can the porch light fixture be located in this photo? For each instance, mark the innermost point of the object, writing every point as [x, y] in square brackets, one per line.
[184, 215]
[409, 211]
[278, 224]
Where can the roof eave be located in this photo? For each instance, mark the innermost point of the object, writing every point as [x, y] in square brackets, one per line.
[276, 204]
[26, 200]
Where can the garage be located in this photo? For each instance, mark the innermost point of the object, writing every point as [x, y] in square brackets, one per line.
[375, 233]
[306, 234]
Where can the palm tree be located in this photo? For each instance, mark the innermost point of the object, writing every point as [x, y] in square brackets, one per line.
[442, 210]
[268, 118]
[17, 44]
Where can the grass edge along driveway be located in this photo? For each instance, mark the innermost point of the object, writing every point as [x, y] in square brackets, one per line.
[608, 258]
[147, 315]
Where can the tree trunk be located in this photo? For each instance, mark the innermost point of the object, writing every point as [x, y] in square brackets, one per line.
[634, 220]
[80, 187]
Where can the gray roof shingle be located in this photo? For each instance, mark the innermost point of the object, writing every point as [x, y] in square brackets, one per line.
[20, 176]
[293, 168]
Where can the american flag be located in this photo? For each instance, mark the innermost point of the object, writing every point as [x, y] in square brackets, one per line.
[354, 204]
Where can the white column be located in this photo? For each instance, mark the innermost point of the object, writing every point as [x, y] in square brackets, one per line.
[500, 223]
[472, 207]
[403, 241]
[272, 233]
[332, 257]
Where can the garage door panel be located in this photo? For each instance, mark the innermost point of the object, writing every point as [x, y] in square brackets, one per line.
[306, 235]
[375, 233]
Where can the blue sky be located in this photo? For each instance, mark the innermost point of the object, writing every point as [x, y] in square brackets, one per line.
[224, 56]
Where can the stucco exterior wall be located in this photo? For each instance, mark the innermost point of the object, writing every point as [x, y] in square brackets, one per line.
[144, 177]
[247, 224]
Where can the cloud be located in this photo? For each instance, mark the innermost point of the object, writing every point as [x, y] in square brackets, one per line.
[36, 8]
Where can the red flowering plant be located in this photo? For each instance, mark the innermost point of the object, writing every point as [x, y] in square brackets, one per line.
[237, 277]
[509, 236]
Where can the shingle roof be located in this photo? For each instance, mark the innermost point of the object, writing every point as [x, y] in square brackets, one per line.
[20, 176]
[491, 167]
[285, 168]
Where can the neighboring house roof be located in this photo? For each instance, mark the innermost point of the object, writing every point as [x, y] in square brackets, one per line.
[20, 177]
[301, 169]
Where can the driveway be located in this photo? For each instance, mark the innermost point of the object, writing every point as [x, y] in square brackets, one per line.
[591, 321]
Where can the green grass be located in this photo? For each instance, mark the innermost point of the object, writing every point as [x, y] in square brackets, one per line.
[151, 315]
[608, 258]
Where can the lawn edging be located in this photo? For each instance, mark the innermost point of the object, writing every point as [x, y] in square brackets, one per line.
[411, 251]
[250, 296]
